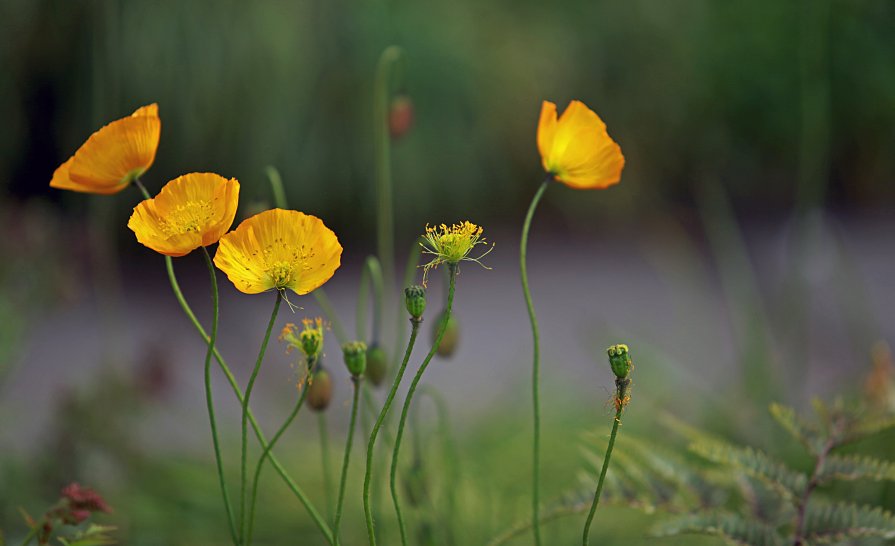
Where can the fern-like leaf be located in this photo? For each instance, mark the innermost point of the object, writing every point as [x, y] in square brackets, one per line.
[856, 467]
[870, 426]
[804, 432]
[732, 528]
[830, 523]
[754, 463]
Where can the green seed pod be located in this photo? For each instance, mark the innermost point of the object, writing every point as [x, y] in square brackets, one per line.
[320, 389]
[377, 364]
[620, 360]
[451, 335]
[355, 354]
[415, 300]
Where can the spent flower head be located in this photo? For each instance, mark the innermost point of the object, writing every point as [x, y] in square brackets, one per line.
[309, 340]
[452, 245]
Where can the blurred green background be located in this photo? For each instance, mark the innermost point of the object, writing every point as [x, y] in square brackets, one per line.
[746, 254]
[780, 102]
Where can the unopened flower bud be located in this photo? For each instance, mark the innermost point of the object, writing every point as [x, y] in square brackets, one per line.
[400, 116]
[415, 301]
[620, 360]
[451, 334]
[377, 364]
[355, 354]
[320, 389]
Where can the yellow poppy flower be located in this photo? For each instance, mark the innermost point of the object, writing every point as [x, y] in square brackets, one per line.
[279, 249]
[191, 211]
[113, 156]
[576, 149]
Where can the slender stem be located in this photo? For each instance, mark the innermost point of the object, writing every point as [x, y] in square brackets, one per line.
[30, 536]
[812, 484]
[622, 387]
[343, 479]
[142, 188]
[385, 225]
[415, 327]
[326, 305]
[324, 461]
[556, 513]
[416, 379]
[536, 366]
[209, 400]
[243, 520]
[276, 187]
[234, 385]
[259, 466]
[371, 277]
[450, 456]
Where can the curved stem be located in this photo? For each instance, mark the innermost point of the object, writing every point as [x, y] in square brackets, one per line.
[326, 305]
[344, 476]
[415, 327]
[209, 400]
[266, 452]
[234, 385]
[536, 366]
[30, 536]
[371, 277]
[416, 379]
[324, 461]
[245, 415]
[622, 386]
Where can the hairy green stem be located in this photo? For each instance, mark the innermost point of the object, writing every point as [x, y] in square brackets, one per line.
[343, 479]
[622, 388]
[276, 437]
[243, 520]
[415, 326]
[209, 400]
[324, 461]
[536, 366]
[413, 385]
[234, 385]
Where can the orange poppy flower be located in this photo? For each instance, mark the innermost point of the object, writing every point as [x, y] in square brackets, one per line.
[191, 211]
[113, 156]
[279, 249]
[576, 149]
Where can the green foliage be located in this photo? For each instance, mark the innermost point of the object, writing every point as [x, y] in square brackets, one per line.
[856, 467]
[732, 528]
[753, 463]
[837, 522]
[93, 535]
[745, 495]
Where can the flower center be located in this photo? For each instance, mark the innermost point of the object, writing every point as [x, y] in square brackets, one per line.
[281, 274]
[190, 217]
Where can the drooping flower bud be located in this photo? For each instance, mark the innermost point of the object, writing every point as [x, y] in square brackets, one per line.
[415, 301]
[451, 334]
[355, 354]
[400, 116]
[320, 389]
[377, 364]
[620, 360]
